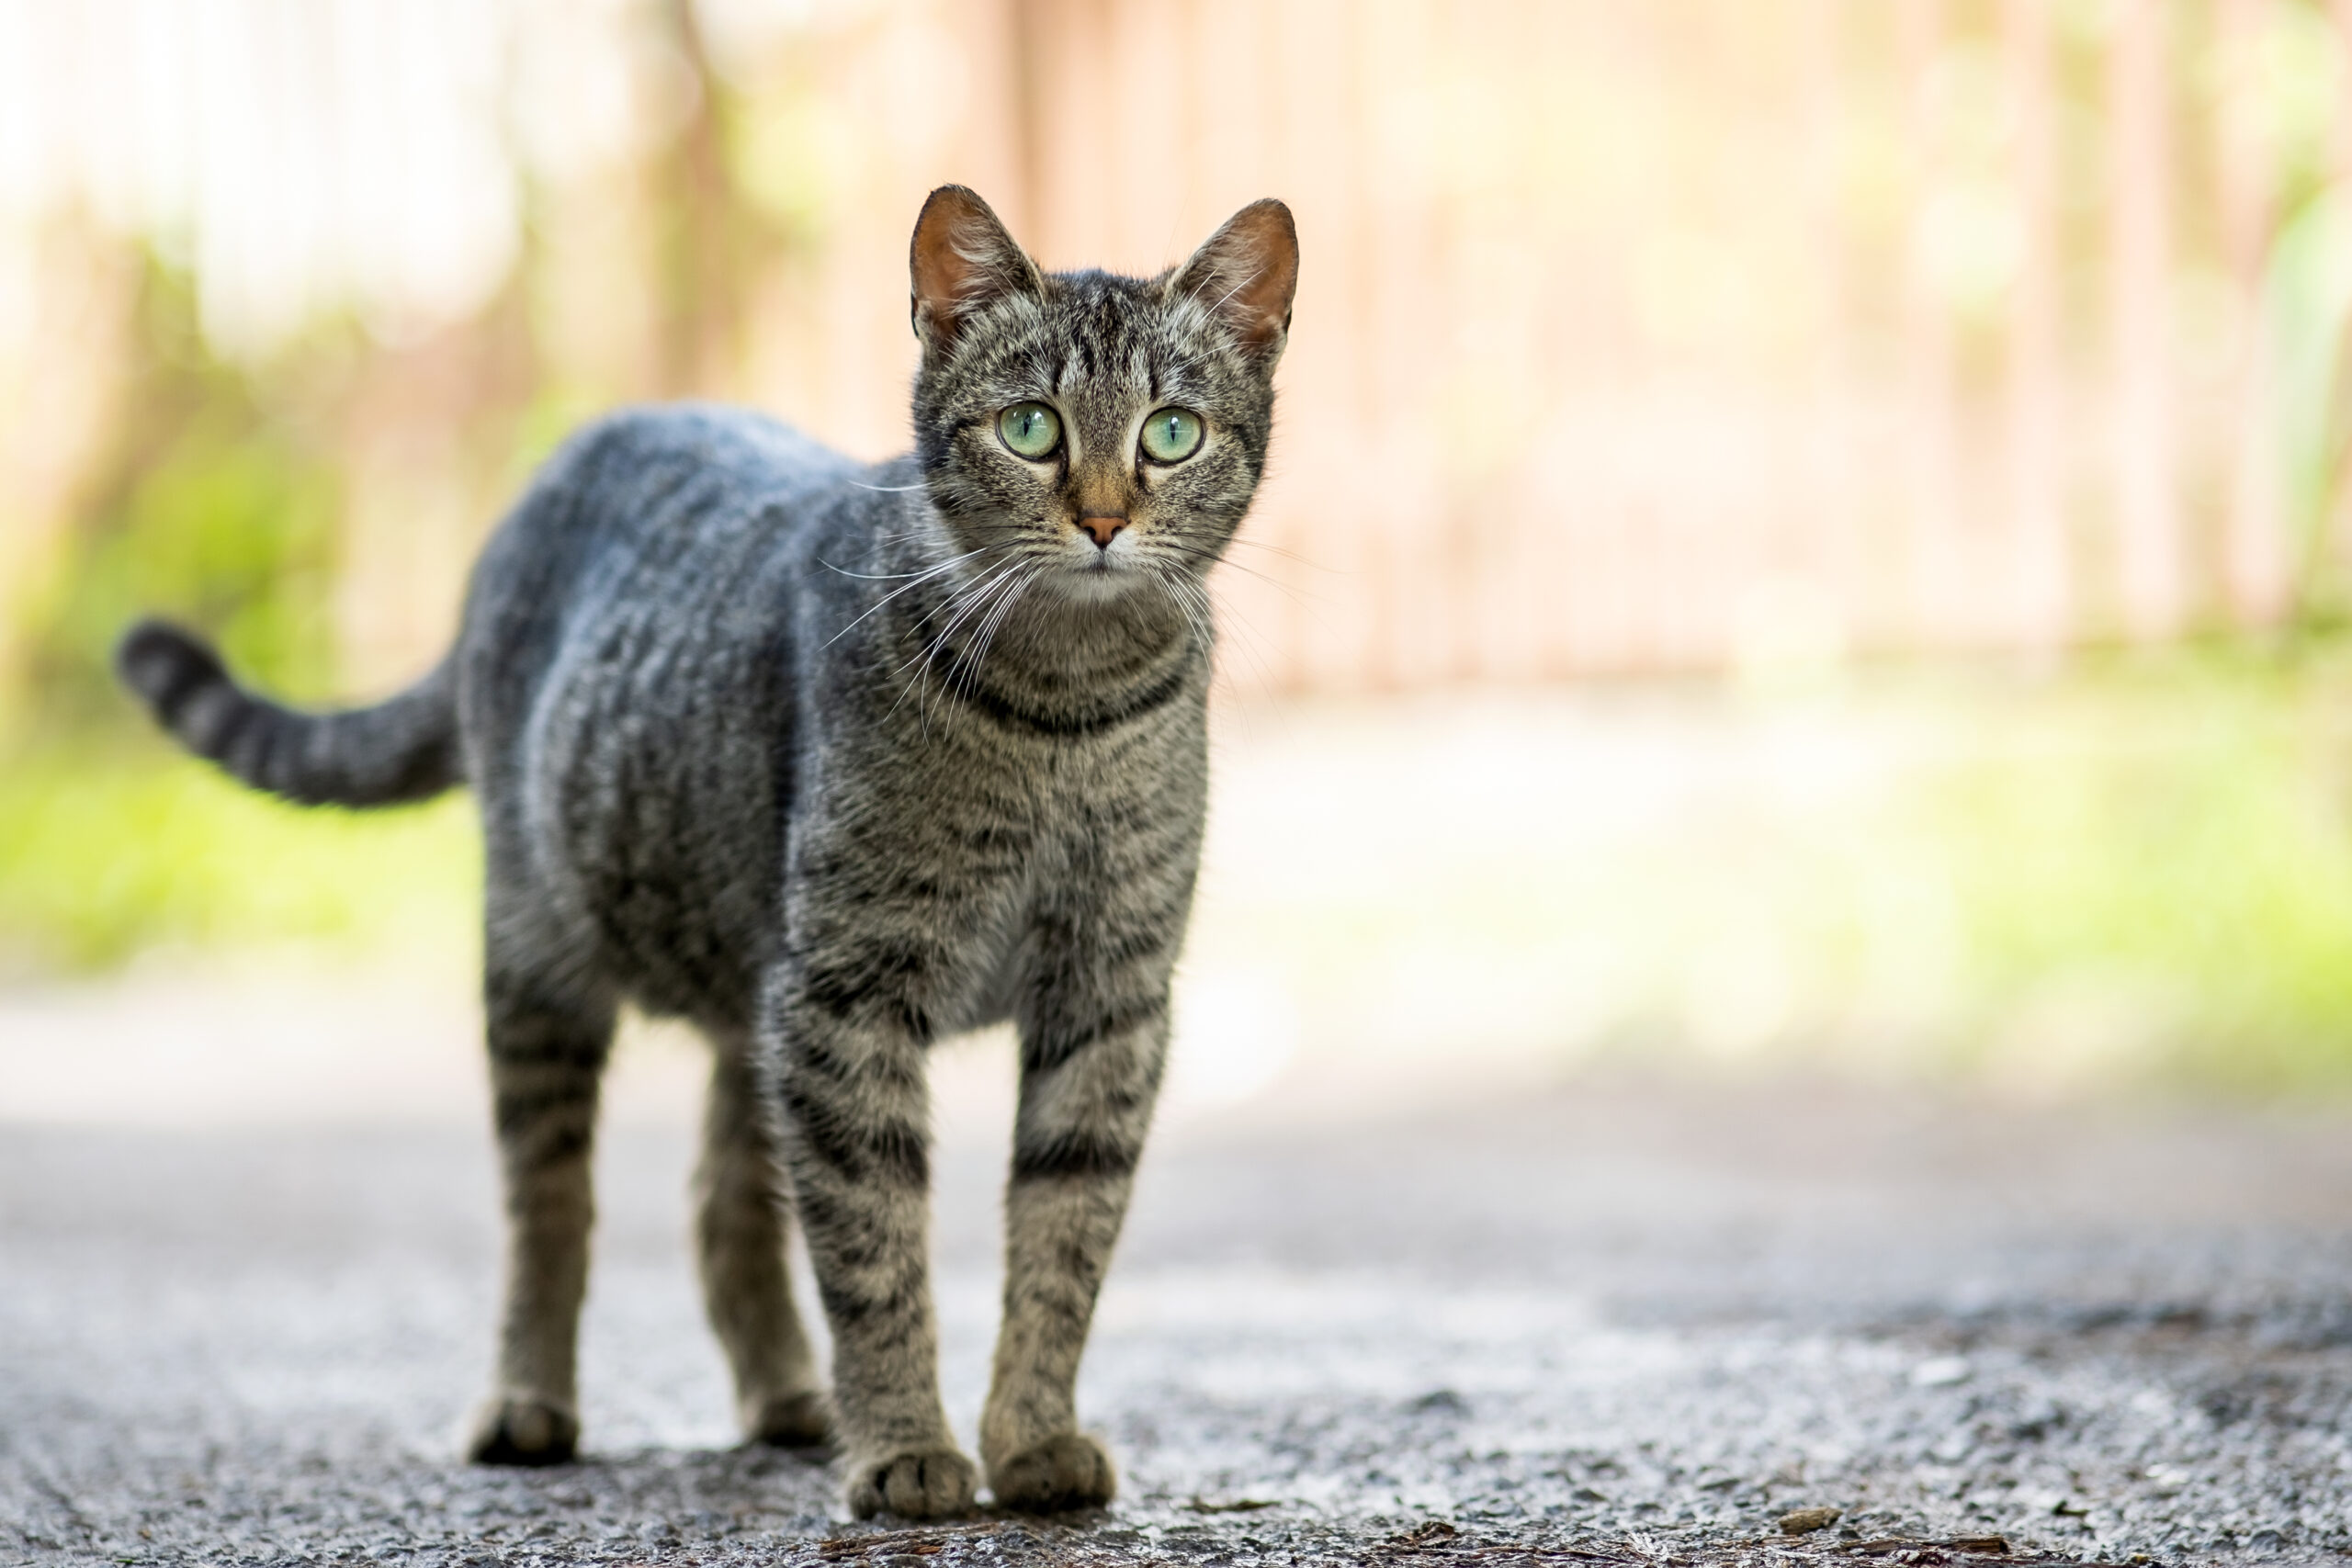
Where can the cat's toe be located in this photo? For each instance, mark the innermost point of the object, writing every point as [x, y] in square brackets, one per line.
[790, 1421]
[519, 1429]
[1068, 1471]
[930, 1483]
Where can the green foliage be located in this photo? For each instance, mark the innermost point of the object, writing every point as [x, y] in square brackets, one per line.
[107, 853]
[226, 531]
[2141, 873]
[2185, 843]
[212, 511]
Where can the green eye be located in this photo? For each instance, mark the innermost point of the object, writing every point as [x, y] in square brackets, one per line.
[1171, 436]
[1031, 429]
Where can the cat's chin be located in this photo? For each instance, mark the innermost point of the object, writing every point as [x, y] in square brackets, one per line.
[1097, 584]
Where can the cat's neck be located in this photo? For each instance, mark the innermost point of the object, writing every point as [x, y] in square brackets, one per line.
[1052, 650]
[1053, 646]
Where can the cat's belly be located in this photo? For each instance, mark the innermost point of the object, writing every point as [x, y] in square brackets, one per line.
[655, 825]
[999, 994]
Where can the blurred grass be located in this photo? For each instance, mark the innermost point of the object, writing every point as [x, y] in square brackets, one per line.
[110, 850]
[2185, 843]
[2143, 873]
[206, 504]
[2137, 872]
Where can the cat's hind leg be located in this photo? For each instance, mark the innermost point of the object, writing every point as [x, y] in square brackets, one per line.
[547, 1047]
[741, 1226]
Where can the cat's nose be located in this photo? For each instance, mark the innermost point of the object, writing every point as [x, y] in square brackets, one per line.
[1101, 529]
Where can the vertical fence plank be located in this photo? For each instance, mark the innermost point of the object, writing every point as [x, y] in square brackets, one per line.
[2254, 555]
[1551, 407]
[2151, 583]
[2332, 553]
[2036, 487]
[1932, 504]
[1832, 500]
[1663, 476]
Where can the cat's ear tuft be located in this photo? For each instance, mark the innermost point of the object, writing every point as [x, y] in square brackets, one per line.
[962, 261]
[1248, 274]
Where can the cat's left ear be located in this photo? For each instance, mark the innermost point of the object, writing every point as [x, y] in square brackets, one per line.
[962, 261]
[1248, 274]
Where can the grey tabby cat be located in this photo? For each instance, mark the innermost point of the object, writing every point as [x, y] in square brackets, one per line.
[836, 761]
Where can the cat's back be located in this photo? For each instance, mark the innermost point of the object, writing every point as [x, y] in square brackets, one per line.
[632, 530]
[625, 674]
[649, 489]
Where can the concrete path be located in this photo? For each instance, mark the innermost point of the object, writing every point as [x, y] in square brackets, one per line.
[1602, 1321]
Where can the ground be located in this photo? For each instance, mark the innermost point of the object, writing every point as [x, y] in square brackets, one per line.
[1611, 1319]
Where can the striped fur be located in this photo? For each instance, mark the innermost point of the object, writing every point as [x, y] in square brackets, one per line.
[403, 750]
[836, 761]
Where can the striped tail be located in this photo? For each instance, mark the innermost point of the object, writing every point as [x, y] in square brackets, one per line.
[404, 748]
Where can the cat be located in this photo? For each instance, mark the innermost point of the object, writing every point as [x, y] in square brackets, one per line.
[836, 760]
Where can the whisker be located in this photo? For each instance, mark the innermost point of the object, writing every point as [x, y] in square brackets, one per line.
[943, 566]
[1246, 641]
[972, 602]
[972, 609]
[1313, 605]
[1290, 589]
[1170, 587]
[916, 667]
[1251, 646]
[867, 576]
[1307, 562]
[978, 649]
[960, 604]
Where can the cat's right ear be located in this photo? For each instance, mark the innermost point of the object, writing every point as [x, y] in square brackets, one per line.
[962, 261]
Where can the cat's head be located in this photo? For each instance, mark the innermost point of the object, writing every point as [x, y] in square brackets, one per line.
[1088, 431]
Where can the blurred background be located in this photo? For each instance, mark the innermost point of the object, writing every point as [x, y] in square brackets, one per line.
[1805, 533]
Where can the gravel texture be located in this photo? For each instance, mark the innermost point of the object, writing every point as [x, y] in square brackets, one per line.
[1612, 1322]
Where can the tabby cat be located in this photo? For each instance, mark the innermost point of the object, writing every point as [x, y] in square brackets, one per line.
[836, 761]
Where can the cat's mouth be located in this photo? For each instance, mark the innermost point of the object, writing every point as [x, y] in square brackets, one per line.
[1098, 575]
[1100, 548]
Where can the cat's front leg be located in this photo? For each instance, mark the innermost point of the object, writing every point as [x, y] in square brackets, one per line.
[1094, 1036]
[853, 1111]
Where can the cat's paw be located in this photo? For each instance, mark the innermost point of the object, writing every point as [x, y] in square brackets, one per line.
[789, 1421]
[1067, 1470]
[928, 1484]
[518, 1429]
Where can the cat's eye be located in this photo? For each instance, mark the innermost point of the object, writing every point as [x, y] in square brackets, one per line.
[1033, 430]
[1171, 436]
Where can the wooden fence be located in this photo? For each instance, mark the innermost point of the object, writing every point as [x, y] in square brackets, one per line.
[1667, 335]
[1631, 336]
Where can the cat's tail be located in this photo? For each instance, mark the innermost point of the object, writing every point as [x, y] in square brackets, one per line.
[403, 748]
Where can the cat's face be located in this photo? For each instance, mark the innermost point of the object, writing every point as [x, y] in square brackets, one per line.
[1087, 434]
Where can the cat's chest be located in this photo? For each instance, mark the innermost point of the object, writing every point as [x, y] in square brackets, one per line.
[1045, 821]
[1074, 805]
[1098, 838]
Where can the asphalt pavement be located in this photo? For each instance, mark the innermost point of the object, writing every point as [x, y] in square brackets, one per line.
[1613, 1320]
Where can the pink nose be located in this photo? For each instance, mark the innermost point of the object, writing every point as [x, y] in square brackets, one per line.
[1101, 529]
